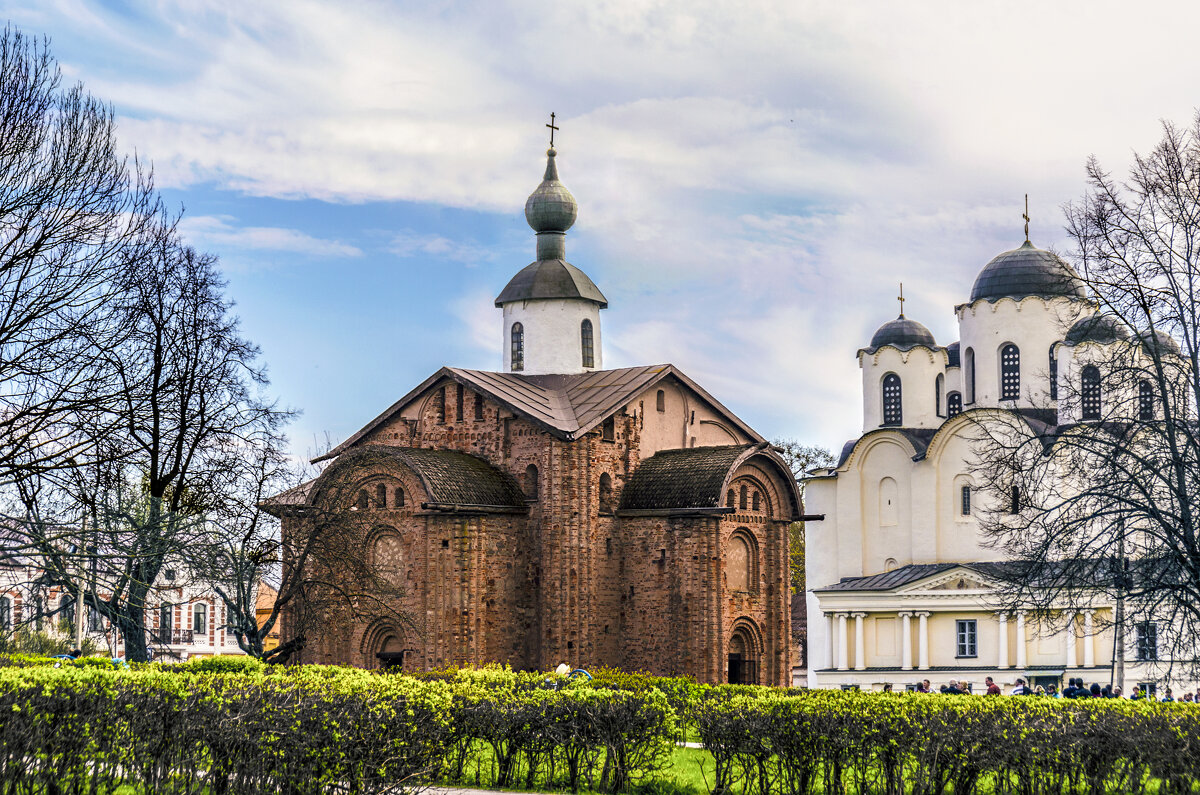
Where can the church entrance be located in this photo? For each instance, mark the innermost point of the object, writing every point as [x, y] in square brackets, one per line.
[743, 658]
[389, 651]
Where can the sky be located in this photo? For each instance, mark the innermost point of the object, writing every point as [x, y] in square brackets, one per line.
[754, 179]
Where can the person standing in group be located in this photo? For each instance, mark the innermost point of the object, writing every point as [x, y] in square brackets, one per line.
[1021, 689]
[993, 689]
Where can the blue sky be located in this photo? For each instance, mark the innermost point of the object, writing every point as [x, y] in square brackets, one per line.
[754, 179]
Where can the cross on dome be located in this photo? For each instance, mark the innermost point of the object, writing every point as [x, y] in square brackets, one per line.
[1025, 216]
[552, 129]
[900, 298]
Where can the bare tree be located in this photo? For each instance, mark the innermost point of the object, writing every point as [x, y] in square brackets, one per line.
[1100, 504]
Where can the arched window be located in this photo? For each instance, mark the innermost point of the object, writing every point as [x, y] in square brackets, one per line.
[363, 501]
[1053, 372]
[1090, 396]
[381, 496]
[954, 404]
[606, 493]
[742, 498]
[399, 501]
[741, 562]
[458, 404]
[964, 507]
[1010, 372]
[531, 482]
[517, 338]
[755, 501]
[1145, 401]
[200, 619]
[969, 375]
[608, 429]
[892, 415]
[730, 499]
[937, 394]
[585, 337]
[660, 400]
[389, 557]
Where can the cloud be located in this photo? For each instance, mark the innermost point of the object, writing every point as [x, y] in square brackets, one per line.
[219, 233]
[410, 244]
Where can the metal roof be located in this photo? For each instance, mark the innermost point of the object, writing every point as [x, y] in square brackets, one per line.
[549, 279]
[1027, 271]
[911, 573]
[902, 334]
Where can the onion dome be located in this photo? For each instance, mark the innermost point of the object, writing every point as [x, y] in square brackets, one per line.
[551, 208]
[1027, 271]
[1159, 342]
[1100, 329]
[903, 334]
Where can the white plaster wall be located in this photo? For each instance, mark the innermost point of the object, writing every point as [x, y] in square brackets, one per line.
[552, 335]
[918, 370]
[883, 457]
[686, 420]
[950, 536]
[1033, 325]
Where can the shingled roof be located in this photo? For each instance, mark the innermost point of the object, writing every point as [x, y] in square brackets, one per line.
[568, 406]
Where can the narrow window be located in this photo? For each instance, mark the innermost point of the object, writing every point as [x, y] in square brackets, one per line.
[1014, 499]
[381, 496]
[585, 337]
[1053, 373]
[478, 407]
[1145, 401]
[737, 565]
[965, 507]
[200, 619]
[531, 482]
[892, 414]
[606, 495]
[166, 622]
[965, 631]
[937, 394]
[608, 430]
[730, 499]
[1147, 641]
[439, 406]
[954, 404]
[742, 498]
[5, 614]
[1010, 372]
[660, 401]
[969, 375]
[363, 501]
[93, 618]
[458, 404]
[399, 501]
[1090, 393]
[517, 337]
[755, 501]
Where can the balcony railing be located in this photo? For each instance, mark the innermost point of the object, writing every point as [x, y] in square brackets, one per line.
[172, 637]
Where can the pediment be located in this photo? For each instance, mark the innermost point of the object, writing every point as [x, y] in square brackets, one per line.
[958, 579]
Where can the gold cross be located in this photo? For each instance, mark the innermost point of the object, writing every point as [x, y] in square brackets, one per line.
[1026, 217]
[901, 299]
[552, 129]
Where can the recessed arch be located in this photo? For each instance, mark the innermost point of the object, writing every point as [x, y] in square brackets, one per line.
[893, 412]
[517, 347]
[745, 651]
[741, 561]
[1010, 372]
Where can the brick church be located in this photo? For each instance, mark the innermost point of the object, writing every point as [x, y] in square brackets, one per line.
[557, 512]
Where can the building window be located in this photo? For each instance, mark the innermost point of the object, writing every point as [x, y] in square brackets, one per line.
[531, 482]
[1014, 499]
[381, 496]
[1053, 374]
[608, 430]
[660, 400]
[1145, 401]
[200, 619]
[1090, 393]
[969, 374]
[606, 493]
[399, 501]
[892, 414]
[1147, 640]
[458, 404]
[5, 614]
[965, 633]
[93, 619]
[954, 404]
[439, 406]
[585, 337]
[742, 494]
[755, 501]
[937, 394]
[741, 562]
[965, 505]
[1010, 372]
[517, 337]
[363, 501]
[730, 499]
[166, 622]
[478, 408]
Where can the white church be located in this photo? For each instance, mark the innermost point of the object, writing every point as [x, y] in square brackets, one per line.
[902, 581]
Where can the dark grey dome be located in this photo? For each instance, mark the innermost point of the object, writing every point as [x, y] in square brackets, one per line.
[551, 208]
[1160, 342]
[1027, 271]
[551, 278]
[1102, 329]
[953, 355]
[902, 333]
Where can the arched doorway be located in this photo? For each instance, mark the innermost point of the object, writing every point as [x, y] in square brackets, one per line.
[383, 647]
[745, 651]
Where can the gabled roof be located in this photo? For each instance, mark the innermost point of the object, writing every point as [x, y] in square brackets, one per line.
[568, 406]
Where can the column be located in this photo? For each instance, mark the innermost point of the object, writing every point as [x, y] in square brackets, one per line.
[923, 640]
[843, 662]
[1021, 639]
[831, 644]
[1072, 659]
[1089, 644]
[906, 641]
[1002, 645]
[860, 648]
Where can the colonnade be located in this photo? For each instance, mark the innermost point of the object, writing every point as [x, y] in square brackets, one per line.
[840, 640]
